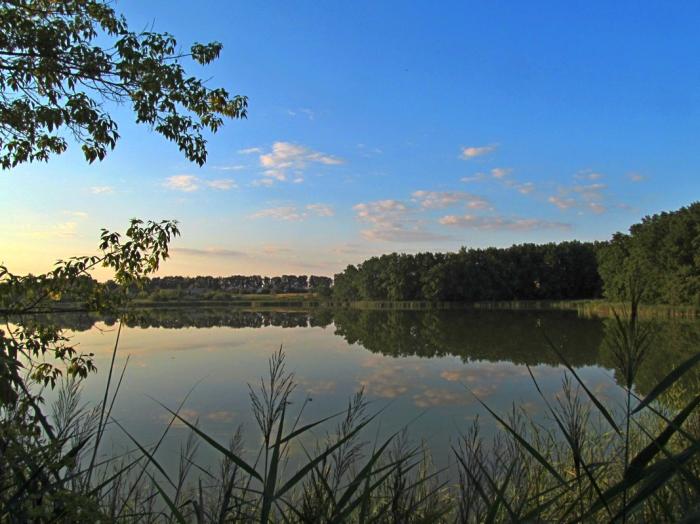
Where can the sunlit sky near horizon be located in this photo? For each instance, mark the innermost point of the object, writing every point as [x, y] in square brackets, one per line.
[376, 127]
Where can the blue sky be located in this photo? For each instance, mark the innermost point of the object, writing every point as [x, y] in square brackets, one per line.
[392, 126]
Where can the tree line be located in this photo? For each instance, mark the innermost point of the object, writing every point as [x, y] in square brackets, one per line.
[567, 270]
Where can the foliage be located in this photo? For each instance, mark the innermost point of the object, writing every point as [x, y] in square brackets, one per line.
[567, 270]
[659, 259]
[62, 60]
[24, 345]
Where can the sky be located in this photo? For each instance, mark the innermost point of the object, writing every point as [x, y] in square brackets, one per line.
[378, 127]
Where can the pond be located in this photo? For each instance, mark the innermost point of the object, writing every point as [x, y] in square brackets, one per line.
[422, 369]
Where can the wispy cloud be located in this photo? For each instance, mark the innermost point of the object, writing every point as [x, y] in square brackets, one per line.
[191, 183]
[524, 188]
[494, 223]
[209, 252]
[186, 183]
[443, 199]
[476, 151]
[222, 184]
[293, 213]
[287, 159]
[584, 197]
[250, 150]
[232, 167]
[561, 202]
[302, 111]
[501, 172]
[101, 190]
[588, 174]
[636, 177]
[478, 177]
[321, 210]
[392, 221]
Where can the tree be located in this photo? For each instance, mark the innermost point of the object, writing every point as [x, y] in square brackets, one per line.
[61, 60]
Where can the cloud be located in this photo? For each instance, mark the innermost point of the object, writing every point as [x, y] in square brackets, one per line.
[597, 208]
[590, 192]
[495, 223]
[501, 172]
[58, 230]
[220, 416]
[76, 214]
[286, 213]
[476, 178]
[249, 150]
[524, 188]
[434, 397]
[302, 111]
[584, 197]
[222, 184]
[321, 210]
[209, 252]
[562, 203]
[636, 177]
[101, 190]
[186, 183]
[191, 183]
[588, 174]
[286, 157]
[475, 151]
[400, 234]
[443, 199]
[392, 221]
[293, 214]
[233, 167]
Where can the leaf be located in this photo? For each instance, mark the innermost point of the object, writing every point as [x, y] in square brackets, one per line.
[668, 381]
[231, 456]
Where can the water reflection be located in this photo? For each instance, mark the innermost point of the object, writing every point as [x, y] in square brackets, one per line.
[419, 361]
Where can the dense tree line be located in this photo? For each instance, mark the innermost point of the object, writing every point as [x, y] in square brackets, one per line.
[567, 270]
[659, 260]
[220, 287]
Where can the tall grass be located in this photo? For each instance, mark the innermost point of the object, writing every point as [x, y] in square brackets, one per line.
[594, 462]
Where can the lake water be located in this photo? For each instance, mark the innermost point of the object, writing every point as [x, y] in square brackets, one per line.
[422, 368]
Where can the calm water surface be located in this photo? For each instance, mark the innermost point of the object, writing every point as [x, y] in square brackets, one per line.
[422, 368]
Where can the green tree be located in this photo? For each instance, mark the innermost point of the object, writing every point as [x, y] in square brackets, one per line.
[60, 61]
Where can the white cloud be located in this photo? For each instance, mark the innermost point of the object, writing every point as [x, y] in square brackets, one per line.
[249, 150]
[500, 223]
[475, 151]
[476, 178]
[286, 157]
[101, 190]
[590, 192]
[57, 230]
[393, 221]
[209, 252]
[293, 214]
[597, 207]
[636, 177]
[233, 167]
[588, 174]
[303, 111]
[443, 199]
[186, 183]
[222, 184]
[561, 202]
[380, 211]
[76, 214]
[501, 172]
[399, 234]
[264, 182]
[524, 188]
[321, 210]
[286, 213]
